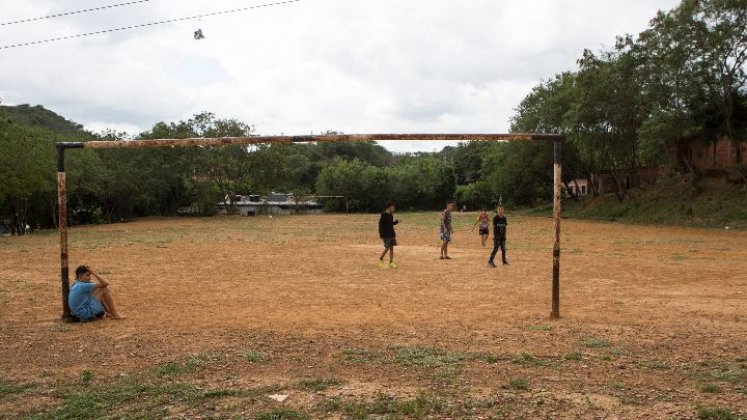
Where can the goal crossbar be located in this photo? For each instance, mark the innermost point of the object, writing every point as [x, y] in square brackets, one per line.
[555, 139]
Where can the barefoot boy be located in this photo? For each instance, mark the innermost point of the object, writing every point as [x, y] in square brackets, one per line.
[387, 234]
[89, 301]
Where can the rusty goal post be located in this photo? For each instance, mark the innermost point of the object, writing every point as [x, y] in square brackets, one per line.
[555, 139]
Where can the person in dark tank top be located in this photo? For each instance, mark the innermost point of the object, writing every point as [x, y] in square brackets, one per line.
[499, 236]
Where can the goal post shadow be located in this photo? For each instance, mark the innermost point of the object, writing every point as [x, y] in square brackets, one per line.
[555, 139]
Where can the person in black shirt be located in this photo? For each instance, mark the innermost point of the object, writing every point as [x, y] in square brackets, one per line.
[499, 237]
[387, 234]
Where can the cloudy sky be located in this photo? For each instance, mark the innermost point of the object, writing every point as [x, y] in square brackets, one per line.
[354, 66]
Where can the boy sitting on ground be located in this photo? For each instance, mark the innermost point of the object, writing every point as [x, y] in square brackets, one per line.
[89, 301]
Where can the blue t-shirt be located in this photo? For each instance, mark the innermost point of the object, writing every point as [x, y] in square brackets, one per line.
[81, 301]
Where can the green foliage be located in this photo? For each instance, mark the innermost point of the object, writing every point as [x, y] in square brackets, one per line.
[425, 357]
[673, 200]
[636, 104]
[40, 117]
[415, 183]
[520, 383]
[421, 406]
[191, 364]
[8, 388]
[714, 413]
[682, 79]
[27, 167]
[111, 185]
[710, 388]
[527, 359]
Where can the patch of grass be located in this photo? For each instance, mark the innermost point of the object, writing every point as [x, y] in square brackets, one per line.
[85, 377]
[616, 386]
[714, 413]
[145, 399]
[710, 388]
[420, 406]
[192, 364]
[144, 395]
[169, 368]
[318, 384]
[282, 413]
[423, 405]
[8, 388]
[221, 393]
[425, 357]
[520, 383]
[719, 371]
[446, 373]
[359, 355]
[595, 342]
[333, 404]
[252, 356]
[574, 355]
[485, 357]
[732, 376]
[527, 359]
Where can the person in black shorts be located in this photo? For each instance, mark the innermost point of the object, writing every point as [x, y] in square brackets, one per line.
[388, 235]
[499, 237]
[484, 221]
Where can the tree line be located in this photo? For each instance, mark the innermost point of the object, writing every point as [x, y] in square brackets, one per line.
[682, 79]
[114, 184]
[640, 103]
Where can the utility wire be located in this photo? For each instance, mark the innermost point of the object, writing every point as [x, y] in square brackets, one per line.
[75, 12]
[124, 28]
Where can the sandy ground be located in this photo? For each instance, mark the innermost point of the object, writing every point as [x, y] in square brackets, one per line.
[657, 312]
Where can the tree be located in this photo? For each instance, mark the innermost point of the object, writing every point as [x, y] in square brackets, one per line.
[696, 55]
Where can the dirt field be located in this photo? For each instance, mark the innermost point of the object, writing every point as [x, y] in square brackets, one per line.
[224, 312]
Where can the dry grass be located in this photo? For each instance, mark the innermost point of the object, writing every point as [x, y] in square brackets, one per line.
[224, 311]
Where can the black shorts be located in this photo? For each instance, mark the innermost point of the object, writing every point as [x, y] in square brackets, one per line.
[484, 231]
[389, 242]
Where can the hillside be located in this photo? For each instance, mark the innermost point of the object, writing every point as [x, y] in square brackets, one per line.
[673, 200]
[40, 117]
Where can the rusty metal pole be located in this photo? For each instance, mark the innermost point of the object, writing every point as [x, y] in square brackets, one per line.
[556, 200]
[62, 224]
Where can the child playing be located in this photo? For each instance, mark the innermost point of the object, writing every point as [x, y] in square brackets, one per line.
[484, 221]
[387, 234]
[446, 230]
[499, 237]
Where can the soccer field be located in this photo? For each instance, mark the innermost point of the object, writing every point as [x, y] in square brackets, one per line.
[224, 312]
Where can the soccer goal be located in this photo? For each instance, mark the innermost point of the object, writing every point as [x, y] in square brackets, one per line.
[555, 140]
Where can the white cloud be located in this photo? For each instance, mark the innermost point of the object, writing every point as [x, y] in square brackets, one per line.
[352, 66]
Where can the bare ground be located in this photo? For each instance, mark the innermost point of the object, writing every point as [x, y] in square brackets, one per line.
[224, 312]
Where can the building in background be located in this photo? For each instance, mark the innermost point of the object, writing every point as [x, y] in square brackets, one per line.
[274, 204]
[579, 187]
